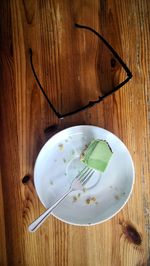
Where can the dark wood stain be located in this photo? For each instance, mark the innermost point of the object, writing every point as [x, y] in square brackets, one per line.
[25, 179]
[131, 233]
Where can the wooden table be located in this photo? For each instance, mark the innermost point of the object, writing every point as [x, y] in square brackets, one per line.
[25, 114]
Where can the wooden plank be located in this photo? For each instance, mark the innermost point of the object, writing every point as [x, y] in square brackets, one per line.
[45, 26]
[3, 256]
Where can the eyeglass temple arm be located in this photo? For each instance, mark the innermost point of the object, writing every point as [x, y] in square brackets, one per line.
[108, 45]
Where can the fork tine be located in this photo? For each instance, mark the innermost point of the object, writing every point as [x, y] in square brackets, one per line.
[87, 172]
[87, 177]
[82, 173]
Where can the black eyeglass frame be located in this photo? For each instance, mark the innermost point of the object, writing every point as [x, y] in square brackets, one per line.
[100, 98]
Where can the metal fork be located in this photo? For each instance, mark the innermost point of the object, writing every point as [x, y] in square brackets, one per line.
[77, 184]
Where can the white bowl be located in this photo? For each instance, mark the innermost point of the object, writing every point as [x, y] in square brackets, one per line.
[58, 163]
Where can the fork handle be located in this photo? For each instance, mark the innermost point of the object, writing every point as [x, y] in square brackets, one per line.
[37, 223]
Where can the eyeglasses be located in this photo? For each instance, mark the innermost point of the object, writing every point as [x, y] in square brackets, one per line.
[115, 59]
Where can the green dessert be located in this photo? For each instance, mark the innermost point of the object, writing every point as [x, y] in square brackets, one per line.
[97, 155]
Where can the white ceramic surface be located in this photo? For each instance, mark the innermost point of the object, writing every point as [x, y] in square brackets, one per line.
[58, 163]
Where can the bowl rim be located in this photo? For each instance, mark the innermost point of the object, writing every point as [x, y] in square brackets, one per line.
[115, 213]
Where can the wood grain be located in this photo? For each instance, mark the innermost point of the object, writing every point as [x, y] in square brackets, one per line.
[46, 27]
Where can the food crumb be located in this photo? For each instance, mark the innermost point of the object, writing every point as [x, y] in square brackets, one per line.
[51, 183]
[65, 174]
[82, 156]
[61, 147]
[90, 200]
[85, 146]
[87, 201]
[75, 198]
[85, 189]
[93, 199]
[64, 160]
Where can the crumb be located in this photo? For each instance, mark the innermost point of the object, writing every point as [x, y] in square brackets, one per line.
[87, 201]
[75, 198]
[123, 193]
[61, 147]
[51, 183]
[96, 202]
[65, 174]
[83, 153]
[85, 189]
[93, 199]
[90, 200]
[117, 197]
[82, 156]
[64, 160]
